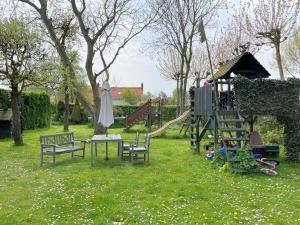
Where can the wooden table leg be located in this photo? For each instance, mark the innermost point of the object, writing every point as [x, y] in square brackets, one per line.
[120, 150]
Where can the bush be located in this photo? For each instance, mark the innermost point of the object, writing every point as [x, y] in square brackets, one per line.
[243, 161]
[76, 116]
[35, 108]
[4, 99]
[168, 112]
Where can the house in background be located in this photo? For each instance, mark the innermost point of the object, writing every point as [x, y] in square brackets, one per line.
[117, 94]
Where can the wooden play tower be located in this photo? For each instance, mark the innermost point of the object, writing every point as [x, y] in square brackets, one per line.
[218, 112]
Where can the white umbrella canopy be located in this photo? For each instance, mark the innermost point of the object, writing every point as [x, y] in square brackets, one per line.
[106, 117]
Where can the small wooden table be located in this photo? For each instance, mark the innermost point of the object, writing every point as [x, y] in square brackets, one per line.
[105, 139]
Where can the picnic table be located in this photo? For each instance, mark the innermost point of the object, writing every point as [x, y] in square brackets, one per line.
[105, 138]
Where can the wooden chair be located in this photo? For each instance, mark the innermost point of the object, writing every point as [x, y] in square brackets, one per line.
[258, 147]
[143, 150]
[255, 140]
[127, 143]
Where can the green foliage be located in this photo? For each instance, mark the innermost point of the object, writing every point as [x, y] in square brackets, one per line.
[123, 110]
[129, 97]
[76, 116]
[271, 129]
[219, 160]
[59, 113]
[168, 112]
[36, 108]
[276, 98]
[4, 99]
[267, 97]
[291, 138]
[243, 161]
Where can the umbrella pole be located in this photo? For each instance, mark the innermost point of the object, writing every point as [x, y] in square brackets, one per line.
[106, 143]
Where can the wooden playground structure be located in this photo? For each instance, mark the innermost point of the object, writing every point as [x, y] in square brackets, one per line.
[150, 111]
[218, 111]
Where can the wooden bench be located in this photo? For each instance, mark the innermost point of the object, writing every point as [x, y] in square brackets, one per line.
[52, 145]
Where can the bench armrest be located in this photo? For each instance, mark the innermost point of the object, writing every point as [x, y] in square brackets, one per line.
[79, 141]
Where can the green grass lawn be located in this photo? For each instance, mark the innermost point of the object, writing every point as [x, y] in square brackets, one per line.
[176, 187]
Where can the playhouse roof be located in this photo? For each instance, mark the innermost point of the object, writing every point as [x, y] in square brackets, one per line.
[5, 115]
[245, 65]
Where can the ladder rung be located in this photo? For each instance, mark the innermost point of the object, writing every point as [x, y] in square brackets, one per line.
[233, 129]
[231, 121]
[234, 139]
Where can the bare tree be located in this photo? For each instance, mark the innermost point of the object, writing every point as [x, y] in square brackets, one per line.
[232, 41]
[170, 66]
[179, 20]
[106, 26]
[46, 13]
[291, 53]
[200, 65]
[270, 22]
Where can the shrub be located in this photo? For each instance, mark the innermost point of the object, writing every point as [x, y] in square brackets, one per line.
[76, 116]
[243, 161]
[35, 108]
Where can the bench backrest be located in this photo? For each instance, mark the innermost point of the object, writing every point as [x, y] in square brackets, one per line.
[57, 139]
[147, 141]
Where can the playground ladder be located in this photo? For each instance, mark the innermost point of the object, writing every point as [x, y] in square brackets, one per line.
[231, 127]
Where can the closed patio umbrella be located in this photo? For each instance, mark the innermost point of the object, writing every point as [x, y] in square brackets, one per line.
[106, 117]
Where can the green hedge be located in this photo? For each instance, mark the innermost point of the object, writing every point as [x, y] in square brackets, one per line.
[4, 99]
[168, 112]
[273, 97]
[58, 112]
[35, 108]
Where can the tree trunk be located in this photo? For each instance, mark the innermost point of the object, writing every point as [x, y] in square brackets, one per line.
[279, 61]
[185, 83]
[177, 98]
[98, 128]
[66, 110]
[16, 118]
[181, 86]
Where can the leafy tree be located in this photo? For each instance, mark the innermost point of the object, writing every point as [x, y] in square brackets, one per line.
[20, 55]
[129, 97]
[106, 28]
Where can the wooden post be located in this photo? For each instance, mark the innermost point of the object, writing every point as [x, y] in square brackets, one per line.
[197, 136]
[229, 96]
[216, 137]
[149, 115]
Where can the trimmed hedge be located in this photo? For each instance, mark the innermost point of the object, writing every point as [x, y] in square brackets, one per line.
[35, 108]
[4, 99]
[58, 113]
[168, 113]
[273, 97]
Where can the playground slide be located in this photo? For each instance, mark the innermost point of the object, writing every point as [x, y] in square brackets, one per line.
[179, 119]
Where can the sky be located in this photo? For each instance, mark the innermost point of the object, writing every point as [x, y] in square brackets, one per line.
[135, 66]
